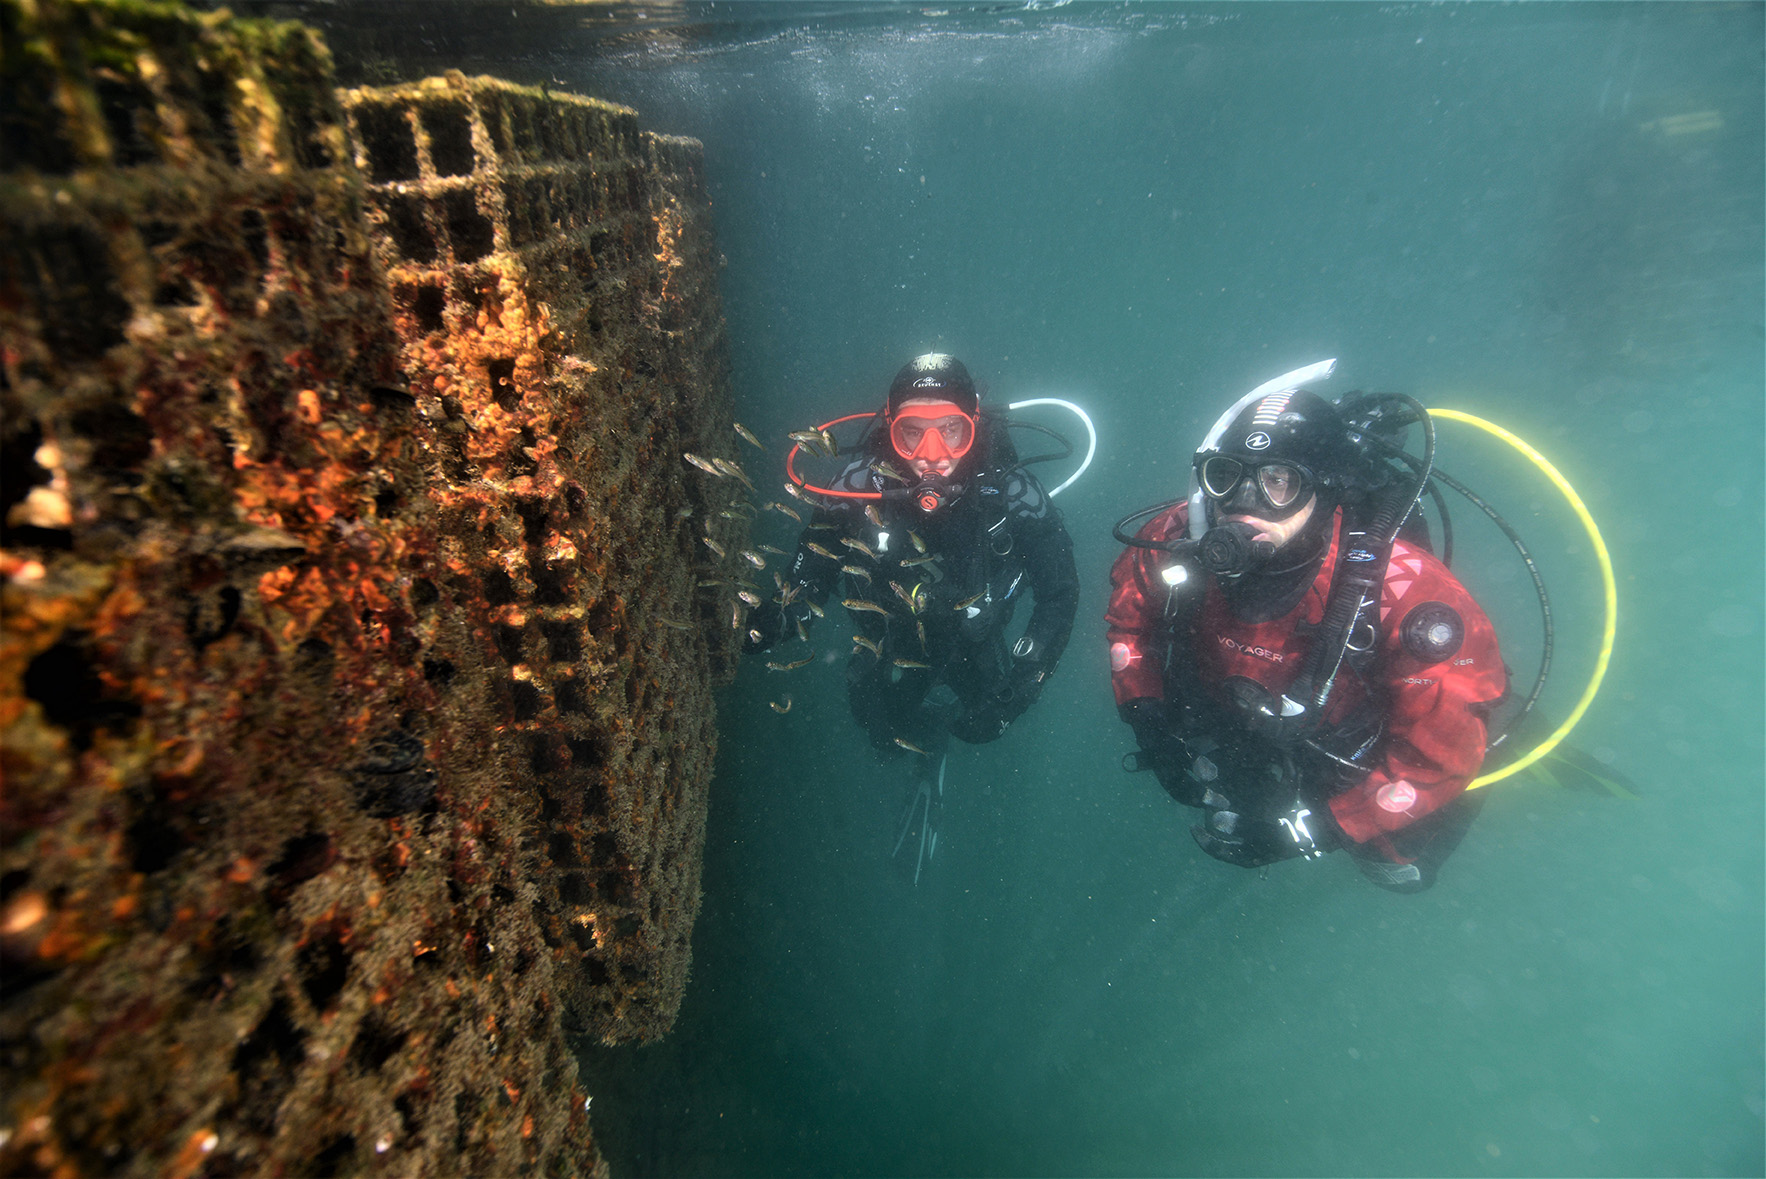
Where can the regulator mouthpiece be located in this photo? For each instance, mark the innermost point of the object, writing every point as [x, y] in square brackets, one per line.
[933, 493]
[1230, 550]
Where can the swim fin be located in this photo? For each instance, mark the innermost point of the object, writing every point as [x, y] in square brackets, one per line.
[1571, 769]
[1566, 766]
[918, 835]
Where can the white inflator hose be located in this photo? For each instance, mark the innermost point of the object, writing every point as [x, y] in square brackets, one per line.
[1091, 447]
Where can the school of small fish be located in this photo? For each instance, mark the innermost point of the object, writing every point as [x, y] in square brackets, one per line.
[862, 561]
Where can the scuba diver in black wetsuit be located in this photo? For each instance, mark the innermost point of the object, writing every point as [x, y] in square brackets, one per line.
[938, 532]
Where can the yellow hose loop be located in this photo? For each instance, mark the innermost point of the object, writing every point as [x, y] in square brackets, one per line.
[1606, 575]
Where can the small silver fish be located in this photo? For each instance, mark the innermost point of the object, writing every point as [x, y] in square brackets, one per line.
[969, 601]
[752, 601]
[684, 513]
[730, 468]
[702, 464]
[856, 571]
[794, 664]
[916, 562]
[748, 436]
[786, 510]
[911, 664]
[919, 545]
[713, 545]
[816, 610]
[767, 548]
[672, 624]
[782, 705]
[867, 644]
[873, 515]
[754, 636]
[914, 599]
[802, 631]
[817, 442]
[857, 605]
[888, 470]
[911, 747]
[819, 551]
[735, 616]
[859, 546]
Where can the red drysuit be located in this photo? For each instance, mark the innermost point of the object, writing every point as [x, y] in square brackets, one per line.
[1434, 712]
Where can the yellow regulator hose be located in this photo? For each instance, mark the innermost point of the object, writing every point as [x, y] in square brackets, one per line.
[1606, 575]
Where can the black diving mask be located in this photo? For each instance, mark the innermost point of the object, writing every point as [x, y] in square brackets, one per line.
[1269, 491]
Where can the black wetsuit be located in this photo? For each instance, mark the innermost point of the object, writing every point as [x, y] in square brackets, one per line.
[1000, 539]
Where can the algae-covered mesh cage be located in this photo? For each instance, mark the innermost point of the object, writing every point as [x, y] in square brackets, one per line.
[355, 670]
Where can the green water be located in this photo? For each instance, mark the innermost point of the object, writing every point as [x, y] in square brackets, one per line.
[1548, 215]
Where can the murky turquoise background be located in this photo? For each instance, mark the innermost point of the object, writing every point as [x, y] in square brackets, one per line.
[1550, 215]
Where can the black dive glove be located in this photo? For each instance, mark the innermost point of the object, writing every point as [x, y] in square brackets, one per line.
[1151, 721]
[774, 623]
[1253, 842]
[989, 718]
[1162, 751]
[1026, 678]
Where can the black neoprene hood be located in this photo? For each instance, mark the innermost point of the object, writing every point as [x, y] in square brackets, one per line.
[934, 375]
[1293, 427]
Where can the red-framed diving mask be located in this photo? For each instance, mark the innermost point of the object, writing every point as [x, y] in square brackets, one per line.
[934, 432]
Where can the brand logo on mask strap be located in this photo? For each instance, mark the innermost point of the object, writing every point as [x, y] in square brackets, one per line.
[1257, 441]
[1358, 555]
[928, 383]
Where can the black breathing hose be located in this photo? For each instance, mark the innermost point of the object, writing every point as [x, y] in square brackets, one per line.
[1514, 538]
[1129, 540]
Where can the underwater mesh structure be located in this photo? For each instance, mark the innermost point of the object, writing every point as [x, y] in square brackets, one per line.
[354, 674]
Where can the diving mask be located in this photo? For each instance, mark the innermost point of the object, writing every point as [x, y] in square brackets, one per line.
[1272, 491]
[933, 432]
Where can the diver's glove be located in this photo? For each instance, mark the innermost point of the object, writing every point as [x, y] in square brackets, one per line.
[773, 623]
[1025, 679]
[1163, 752]
[986, 720]
[1253, 842]
[1151, 721]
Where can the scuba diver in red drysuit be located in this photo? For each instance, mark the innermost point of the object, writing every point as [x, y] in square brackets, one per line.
[1262, 682]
